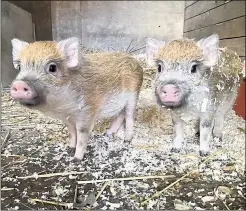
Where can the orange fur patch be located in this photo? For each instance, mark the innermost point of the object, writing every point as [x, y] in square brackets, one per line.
[116, 69]
[107, 72]
[40, 51]
[179, 50]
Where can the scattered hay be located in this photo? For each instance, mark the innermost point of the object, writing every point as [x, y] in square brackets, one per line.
[148, 77]
[154, 116]
[102, 126]
[183, 177]
[127, 179]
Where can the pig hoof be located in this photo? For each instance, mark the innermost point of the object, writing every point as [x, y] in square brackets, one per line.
[76, 160]
[73, 146]
[175, 150]
[203, 153]
[72, 143]
[109, 135]
[128, 140]
[197, 134]
[218, 141]
[128, 137]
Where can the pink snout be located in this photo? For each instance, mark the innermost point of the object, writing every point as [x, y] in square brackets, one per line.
[20, 90]
[170, 93]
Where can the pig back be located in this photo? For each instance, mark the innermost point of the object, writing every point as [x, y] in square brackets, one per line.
[112, 70]
[109, 73]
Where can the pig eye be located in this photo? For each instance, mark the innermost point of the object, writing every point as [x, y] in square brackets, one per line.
[193, 68]
[159, 68]
[18, 67]
[52, 68]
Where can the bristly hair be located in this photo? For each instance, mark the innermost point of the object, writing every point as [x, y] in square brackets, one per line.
[180, 50]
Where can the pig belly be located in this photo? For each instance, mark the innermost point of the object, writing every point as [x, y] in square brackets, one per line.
[115, 103]
[64, 108]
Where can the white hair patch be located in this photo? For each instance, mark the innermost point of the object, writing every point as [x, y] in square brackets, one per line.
[204, 105]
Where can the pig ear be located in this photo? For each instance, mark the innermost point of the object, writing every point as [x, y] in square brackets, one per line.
[210, 47]
[152, 47]
[17, 45]
[70, 48]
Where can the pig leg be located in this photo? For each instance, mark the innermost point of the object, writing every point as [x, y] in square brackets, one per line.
[72, 134]
[83, 133]
[117, 122]
[206, 126]
[197, 128]
[220, 115]
[130, 109]
[179, 133]
[218, 125]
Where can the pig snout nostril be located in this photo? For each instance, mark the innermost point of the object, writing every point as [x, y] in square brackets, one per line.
[21, 90]
[170, 89]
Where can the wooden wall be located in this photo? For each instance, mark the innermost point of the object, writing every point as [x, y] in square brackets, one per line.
[41, 17]
[226, 18]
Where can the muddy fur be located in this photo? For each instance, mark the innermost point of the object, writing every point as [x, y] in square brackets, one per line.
[208, 78]
[229, 62]
[225, 76]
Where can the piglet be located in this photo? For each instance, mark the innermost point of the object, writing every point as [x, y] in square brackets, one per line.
[61, 82]
[196, 78]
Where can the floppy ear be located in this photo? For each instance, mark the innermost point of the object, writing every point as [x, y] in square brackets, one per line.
[209, 47]
[17, 46]
[70, 48]
[152, 47]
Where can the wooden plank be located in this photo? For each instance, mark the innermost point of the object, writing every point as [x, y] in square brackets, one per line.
[232, 28]
[201, 7]
[236, 44]
[16, 23]
[188, 3]
[225, 12]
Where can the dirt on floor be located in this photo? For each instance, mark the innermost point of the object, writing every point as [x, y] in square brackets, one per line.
[38, 171]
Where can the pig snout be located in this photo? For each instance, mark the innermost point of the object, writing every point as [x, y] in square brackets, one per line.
[170, 93]
[20, 90]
